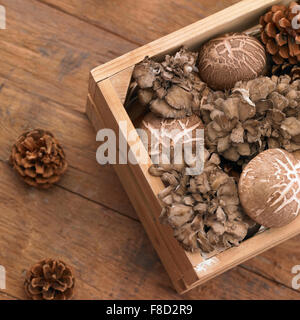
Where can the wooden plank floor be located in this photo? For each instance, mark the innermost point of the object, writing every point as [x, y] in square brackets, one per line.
[46, 52]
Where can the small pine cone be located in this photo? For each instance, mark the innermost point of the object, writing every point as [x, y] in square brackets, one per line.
[282, 41]
[38, 158]
[50, 280]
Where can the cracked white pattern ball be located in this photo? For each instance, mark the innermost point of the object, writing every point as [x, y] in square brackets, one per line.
[164, 134]
[225, 60]
[269, 188]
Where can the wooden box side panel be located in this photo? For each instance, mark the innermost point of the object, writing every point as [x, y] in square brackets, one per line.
[106, 111]
[238, 17]
[247, 250]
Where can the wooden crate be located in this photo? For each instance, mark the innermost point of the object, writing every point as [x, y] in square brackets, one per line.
[108, 86]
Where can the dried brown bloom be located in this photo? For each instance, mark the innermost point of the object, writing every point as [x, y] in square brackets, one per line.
[203, 210]
[257, 115]
[38, 158]
[282, 41]
[171, 88]
[50, 280]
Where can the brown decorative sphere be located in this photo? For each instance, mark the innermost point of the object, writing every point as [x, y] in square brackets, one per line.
[162, 132]
[231, 58]
[269, 188]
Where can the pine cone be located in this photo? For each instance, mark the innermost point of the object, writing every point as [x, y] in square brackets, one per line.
[280, 38]
[50, 280]
[38, 158]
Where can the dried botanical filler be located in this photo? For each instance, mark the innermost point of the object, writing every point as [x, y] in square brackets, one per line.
[242, 88]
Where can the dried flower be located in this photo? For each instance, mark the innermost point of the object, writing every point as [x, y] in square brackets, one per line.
[171, 88]
[203, 210]
[259, 114]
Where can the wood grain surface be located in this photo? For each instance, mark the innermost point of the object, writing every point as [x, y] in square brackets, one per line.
[47, 51]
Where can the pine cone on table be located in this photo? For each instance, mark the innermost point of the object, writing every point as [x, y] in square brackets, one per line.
[38, 158]
[282, 41]
[50, 280]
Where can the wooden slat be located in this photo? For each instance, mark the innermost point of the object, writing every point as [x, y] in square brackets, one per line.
[50, 53]
[246, 286]
[6, 297]
[138, 21]
[249, 248]
[121, 82]
[45, 60]
[276, 264]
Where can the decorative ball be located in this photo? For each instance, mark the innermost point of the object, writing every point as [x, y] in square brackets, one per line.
[231, 58]
[161, 133]
[269, 188]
